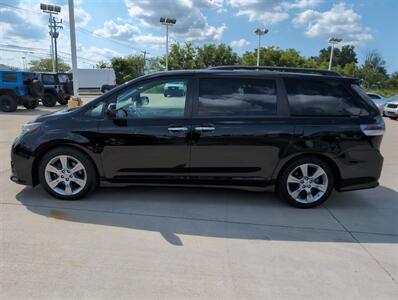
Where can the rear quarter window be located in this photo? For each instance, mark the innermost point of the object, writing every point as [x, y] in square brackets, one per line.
[10, 77]
[320, 98]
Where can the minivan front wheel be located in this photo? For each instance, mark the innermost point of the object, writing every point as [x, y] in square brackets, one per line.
[306, 182]
[67, 174]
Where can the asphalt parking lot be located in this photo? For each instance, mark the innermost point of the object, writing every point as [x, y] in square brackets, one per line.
[180, 243]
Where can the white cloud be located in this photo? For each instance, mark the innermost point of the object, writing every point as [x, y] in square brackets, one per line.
[191, 24]
[269, 11]
[112, 29]
[240, 43]
[340, 20]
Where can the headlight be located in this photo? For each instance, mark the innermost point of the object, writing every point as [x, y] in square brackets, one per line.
[28, 127]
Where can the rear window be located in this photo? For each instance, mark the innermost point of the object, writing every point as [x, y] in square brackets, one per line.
[9, 77]
[237, 97]
[320, 98]
[63, 77]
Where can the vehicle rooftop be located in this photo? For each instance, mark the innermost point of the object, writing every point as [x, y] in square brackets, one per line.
[255, 71]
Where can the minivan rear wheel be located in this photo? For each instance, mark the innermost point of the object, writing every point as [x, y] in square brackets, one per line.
[67, 174]
[306, 182]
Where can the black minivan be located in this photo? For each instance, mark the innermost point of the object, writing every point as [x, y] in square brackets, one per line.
[304, 132]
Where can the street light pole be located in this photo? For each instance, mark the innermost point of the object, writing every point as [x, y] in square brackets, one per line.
[333, 41]
[259, 32]
[167, 22]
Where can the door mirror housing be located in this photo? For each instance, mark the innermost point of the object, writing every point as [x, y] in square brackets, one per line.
[111, 111]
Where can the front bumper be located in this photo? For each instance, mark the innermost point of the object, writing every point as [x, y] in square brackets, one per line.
[21, 165]
[390, 113]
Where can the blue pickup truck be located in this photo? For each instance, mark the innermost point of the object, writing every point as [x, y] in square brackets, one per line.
[19, 88]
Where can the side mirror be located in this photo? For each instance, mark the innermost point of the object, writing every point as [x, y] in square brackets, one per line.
[111, 111]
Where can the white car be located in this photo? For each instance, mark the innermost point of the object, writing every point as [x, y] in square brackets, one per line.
[391, 108]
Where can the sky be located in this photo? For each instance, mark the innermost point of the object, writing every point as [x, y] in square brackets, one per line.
[105, 29]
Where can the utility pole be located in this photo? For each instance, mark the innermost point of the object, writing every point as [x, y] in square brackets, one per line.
[333, 41]
[52, 24]
[144, 64]
[259, 32]
[72, 31]
[167, 22]
[55, 35]
[52, 41]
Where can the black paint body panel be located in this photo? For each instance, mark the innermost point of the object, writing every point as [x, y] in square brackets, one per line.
[244, 151]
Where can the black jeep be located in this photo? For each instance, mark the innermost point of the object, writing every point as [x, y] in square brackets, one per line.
[57, 88]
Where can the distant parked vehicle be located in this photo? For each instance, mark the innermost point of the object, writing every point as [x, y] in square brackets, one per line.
[58, 87]
[379, 100]
[95, 79]
[375, 96]
[174, 89]
[19, 88]
[391, 108]
[107, 87]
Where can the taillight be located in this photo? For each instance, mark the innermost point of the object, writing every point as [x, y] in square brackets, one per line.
[375, 129]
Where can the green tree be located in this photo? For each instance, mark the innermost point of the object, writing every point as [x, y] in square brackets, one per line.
[46, 65]
[373, 70]
[341, 57]
[103, 65]
[127, 68]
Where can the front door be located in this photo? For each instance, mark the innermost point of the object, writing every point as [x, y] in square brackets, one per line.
[147, 140]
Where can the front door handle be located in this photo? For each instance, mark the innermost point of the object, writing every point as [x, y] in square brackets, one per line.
[205, 129]
[177, 129]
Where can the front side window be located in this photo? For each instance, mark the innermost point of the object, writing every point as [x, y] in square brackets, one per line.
[159, 99]
[9, 77]
[237, 97]
[320, 98]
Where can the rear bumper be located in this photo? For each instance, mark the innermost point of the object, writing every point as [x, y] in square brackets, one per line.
[361, 171]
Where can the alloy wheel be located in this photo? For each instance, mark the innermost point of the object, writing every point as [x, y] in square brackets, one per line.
[307, 183]
[65, 175]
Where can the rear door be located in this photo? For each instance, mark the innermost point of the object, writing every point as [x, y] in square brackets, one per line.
[240, 128]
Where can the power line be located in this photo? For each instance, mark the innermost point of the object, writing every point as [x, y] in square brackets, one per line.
[80, 29]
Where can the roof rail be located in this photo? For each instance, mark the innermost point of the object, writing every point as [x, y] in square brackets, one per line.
[278, 69]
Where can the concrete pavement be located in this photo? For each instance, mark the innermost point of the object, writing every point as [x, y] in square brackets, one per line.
[180, 243]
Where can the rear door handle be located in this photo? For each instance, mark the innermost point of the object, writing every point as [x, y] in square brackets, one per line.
[178, 129]
[205, 129]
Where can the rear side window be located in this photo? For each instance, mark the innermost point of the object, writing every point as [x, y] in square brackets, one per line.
[48, 79]
[320, 98]
[9, 77]
[27, 76]
[237, 97]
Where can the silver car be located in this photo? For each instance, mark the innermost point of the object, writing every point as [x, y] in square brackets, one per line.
[379, 100]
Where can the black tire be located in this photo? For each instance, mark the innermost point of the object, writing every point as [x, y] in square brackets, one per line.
[36, 89]
[282, 183]
[30, 103]
[8, 103]
[91, 172]
[63, 101]
[49, 99]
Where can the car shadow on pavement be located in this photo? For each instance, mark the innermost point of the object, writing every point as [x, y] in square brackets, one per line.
[222, 213]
